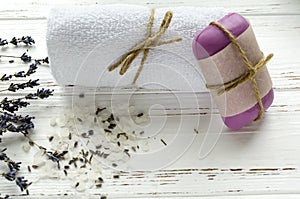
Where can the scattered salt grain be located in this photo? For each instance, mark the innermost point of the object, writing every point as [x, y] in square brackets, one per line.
[53, 121]
[131, 109]
[144, 145]
[80, 187]
[108, 137]
[61, 121]
[26, 147]
[140, 119]
[64, 132]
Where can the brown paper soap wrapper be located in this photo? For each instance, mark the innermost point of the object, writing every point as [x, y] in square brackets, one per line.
[228, 66]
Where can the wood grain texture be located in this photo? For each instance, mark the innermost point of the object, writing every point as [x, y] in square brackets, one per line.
[260, 161]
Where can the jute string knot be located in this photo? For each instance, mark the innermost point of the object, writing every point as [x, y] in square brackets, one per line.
[151, 41]
[248, 75]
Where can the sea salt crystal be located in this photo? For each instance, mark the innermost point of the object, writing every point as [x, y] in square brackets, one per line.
[144, 145]
[141, 119]
[64, 132]
[81, 187]
[92, 176]
[96, 168]
[53, 121]
[131, 109]
[105, 114]
[50, 170]
[26, 147]
[61, 121]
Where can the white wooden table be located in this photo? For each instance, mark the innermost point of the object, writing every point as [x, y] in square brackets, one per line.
[256, 162]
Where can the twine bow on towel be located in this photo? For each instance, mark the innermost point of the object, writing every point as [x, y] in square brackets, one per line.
[248, 75]
[151, 41]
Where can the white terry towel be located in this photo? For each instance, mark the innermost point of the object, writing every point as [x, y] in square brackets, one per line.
[84, 41]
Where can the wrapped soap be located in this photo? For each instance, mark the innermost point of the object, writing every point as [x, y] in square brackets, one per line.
[234, 69]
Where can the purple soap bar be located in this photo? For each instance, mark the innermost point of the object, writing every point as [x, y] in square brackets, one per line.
[211, 41]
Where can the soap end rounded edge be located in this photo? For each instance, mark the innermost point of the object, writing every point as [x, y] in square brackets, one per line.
[202, 45]
[240, 120]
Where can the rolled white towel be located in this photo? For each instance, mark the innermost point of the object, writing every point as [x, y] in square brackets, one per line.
[84, 41]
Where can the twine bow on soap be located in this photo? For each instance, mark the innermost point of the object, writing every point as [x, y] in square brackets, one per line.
[248, 75]
[151, 41]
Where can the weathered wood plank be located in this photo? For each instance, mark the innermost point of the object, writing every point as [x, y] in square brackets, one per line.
[244, 163]
[38, 9]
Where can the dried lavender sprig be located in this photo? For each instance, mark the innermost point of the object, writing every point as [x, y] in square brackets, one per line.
[15, 123]
[44, 61]
[13, 105]
[27, 40]
[56, 156]
[23, 184]
[40, 94]
[18, 123]
[11, 175]
[24, 57]
[5, 197]
[3, 42]
[21, 74]
[13, 87]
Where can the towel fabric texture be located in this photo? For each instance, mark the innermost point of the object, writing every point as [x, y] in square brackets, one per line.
[84, 41]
